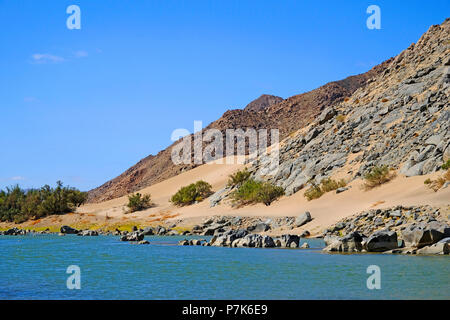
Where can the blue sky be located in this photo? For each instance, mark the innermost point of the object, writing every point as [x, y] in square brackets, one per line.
[82, 106]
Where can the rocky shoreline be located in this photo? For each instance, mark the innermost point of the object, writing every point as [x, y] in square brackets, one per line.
[396, 230]
[403, 230]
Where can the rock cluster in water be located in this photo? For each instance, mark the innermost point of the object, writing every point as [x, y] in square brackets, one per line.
[241, 238]
[405, 230]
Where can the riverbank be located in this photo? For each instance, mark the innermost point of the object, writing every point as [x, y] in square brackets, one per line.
[326, 211]
[406, 230]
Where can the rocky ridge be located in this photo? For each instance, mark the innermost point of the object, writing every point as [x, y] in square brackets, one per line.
[401, 119]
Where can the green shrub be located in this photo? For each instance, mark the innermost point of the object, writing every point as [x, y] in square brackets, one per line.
[313, 192]
[238, 178]
[326, 185]
[194, 192]
[377, 176]
[19, 205]
[138, 202]
[252, 191]
[427, 181]
[269, 193]
[329, 184]
[446, 165]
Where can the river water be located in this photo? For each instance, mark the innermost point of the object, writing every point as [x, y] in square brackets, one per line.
[34, 267]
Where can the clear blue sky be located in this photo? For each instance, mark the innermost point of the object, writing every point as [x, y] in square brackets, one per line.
[82, 106]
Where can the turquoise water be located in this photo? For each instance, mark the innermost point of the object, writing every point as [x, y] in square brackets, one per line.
[34, 267]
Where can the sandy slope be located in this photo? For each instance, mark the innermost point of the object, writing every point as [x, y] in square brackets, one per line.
[325, 211]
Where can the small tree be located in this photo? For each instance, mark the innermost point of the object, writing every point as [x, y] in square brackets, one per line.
[138, 202]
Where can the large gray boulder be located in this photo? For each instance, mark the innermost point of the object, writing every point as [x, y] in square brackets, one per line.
[210, 230]
[349, 243]
[326, 115]
[160, 230]
[88, 233]
[68, 230]
[287, 241]
[254, 241]
[381, 241]
[148, 231]
[302, 219]
[14, 232]
[218, 196]
[132, 236]
[415, 170]
[421, 235]
[259, 227]
[437, 248]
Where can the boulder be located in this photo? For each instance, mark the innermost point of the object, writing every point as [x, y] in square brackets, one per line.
[259, 227]
[159, 230]
[267, 242]
[303, 219]
[423, 235]
[305, 234]
[381, 241]
[341, 189]
[132, 236]
[395, 213]
[415, 170]
[437, 248]
[209, 230]
[13, 232]
[184, 242]
[329, 239]
[326, 115]
[148, 231]
[143, 242]
[68, 230]
[88, 233]
[198, 242]
[304, 246]
[287, 241]
[172, 233]
[433, 140]
[348, 243]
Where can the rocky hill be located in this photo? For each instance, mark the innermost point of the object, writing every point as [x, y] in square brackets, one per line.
[401, 119]
[265, 112]
[263, 102]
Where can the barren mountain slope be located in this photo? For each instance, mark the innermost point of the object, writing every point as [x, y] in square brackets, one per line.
[400, 119]
[287, 115]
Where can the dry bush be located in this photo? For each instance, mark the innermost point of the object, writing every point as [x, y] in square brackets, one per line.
[437, 184]
[378, 176]
[326, 185]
